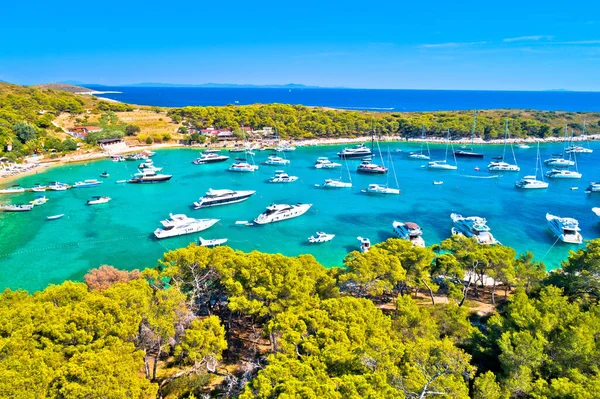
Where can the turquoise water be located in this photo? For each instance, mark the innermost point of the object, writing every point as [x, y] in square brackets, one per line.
[35, 252]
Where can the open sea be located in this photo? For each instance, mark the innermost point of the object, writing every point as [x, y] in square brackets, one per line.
[358, 99]
[35, 252]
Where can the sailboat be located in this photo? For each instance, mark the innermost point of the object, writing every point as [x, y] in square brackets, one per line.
[241, 165]
[443, 165]
[578, 148]
[531, 182]
[565, 173]
[379, 189]
[420, 155]
[468, 152]
[559, 161]
[503, 166]
[338, 183]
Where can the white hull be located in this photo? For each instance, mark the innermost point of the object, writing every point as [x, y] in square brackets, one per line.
[211, 243]
[194, 227]
[320, 238]
[420, 157]
[441, 166]
[565, 174]
[287, 212]
[565, 229]
[335, 184]
[596, 211]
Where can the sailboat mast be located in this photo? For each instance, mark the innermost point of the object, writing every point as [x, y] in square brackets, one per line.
[505, 134]
[474, 127]
[372, 135]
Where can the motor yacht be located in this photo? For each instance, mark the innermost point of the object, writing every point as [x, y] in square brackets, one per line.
[180, 224]
[146, 164]
[334, 183]
[379, 189]
[563, 174]
[365, 244]
[473, 226]
[468, 152]
[368, 167]
[359, 151]
[409, 231]
[38, 188]
[40, 200]
[280, 212]
[12, 190]
[97, 200]
[282, 177]
[276, 161]
[16, 208]
[87, 183]
[149, 176]
[594, 187]
[325, 163]
[58, 186]
[211, 243]
[222, 197]
[523, 146]
[320, 237]
[210, 157]
[565, 229]
[241, 166]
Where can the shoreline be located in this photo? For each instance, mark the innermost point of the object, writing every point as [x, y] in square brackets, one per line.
[99, 154]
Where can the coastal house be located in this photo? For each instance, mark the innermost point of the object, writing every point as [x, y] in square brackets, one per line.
[225, 135]
[113, 146]
[265, 131]
[81, 131]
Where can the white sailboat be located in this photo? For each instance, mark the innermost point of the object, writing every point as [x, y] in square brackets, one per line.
[338, 183]
[420, 155]
[381, 189]
[504, 166]
[560, 161]
[578, 148]
[531, 181]
[244, 166]
[444, 165]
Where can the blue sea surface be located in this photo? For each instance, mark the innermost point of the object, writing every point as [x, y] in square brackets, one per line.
[35, 252]
[359, 99]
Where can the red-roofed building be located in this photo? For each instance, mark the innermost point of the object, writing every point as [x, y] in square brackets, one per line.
[82, 131]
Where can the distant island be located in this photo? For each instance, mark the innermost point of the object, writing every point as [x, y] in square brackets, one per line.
[217, 85]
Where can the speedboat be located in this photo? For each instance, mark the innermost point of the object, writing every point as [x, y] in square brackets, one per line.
[222, 197]
[38, 188]
[368, 167]
[365, 244]
[211, 243]
[210, 157]
[419, 156]
[12, 190]
[335, 183]
[97, 200]
[282, 177]
[596, 211]
[359, 151]
[325, 163]
[148, 176]
[473, 226]
[523, 146]
[146, 164]
[594, 187]
[578, 149]
[105, 174]
[409, 231]
[276, 161]
[280, 212]
[241, 166]
[559, 162]
[563, 174]
[16, 208]
[180, 224]
[441, 165]
[502, 167]
[379, 189]
[87, 183]
[437, 182]
[566, 229]
[530, 182]
[320, 237]
[58, 186]
[41, 200]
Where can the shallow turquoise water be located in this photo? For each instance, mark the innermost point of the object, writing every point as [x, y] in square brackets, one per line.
[35, 252]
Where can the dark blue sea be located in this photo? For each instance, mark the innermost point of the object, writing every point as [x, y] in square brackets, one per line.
[359, 99]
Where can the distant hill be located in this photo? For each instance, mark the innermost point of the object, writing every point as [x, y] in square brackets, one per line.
[217, 85]
[63, 87]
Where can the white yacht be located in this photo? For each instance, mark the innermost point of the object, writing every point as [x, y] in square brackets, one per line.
[181, 224]
[58, 186]
[38, 188]
[211, 243]
[320, 237]
[409, 231]
[148, 163]
[531, 181]
[596, 211]
[594, 187]
[87, 183]
[97, 200]
[210, 157]
[222, 197]
[379, 189]
[334, 183]
[559, 162]
[149, 176]
[325, 163]
[359, 151]
[365, 244]
[501, 165]
[443, 164]
[40, 200]
[473, 226]
[563, 174]
[16, 208]
[276, 161]
[243, 167]
[280, 212]
[282, 177]
[12, 190]
[523, 146]
[565, 229]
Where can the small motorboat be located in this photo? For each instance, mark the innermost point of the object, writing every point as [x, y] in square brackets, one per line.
[365, 244]
[476, 169]
[121, 181]
[40, 200]
[97, 200]
[38, 188]
[105, 174]
[16, 208]
[54, 217]
[211, 243]
[437, 182]
[320, 237]
[12, 190]
[574, 188]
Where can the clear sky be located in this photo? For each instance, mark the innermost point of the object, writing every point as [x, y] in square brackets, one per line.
[435, 44]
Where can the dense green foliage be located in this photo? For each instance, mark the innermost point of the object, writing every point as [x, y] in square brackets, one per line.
[230, 324]
[298, 121]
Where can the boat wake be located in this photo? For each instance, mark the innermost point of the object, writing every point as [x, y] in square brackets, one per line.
[482, 177]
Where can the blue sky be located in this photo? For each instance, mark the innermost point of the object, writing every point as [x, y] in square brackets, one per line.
[510, 45]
